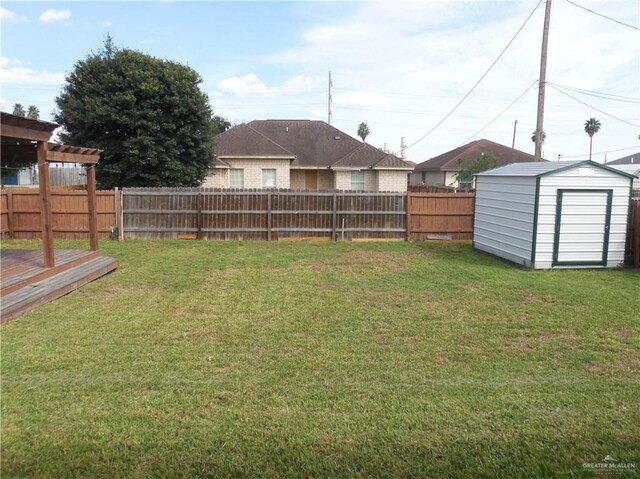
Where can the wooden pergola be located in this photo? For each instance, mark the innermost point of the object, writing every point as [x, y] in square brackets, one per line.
[25, 140]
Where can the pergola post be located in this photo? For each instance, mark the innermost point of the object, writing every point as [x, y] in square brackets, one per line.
[93, 212]
[45, 199]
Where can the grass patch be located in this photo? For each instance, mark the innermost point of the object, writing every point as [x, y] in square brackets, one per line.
[256, 359]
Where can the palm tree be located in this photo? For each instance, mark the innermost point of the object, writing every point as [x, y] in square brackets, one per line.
[33, 112]
[363, 130]
[18, 109]
[535, 133]
[591, 127]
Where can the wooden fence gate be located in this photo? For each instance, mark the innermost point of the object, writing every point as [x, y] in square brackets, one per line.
[434, 216]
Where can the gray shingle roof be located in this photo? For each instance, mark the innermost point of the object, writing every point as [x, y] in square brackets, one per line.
[449, 161]
[242, 140]
[543, 168]
[633, 159]
[312, 144]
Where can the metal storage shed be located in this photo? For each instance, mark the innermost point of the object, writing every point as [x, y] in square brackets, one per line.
[553, 215]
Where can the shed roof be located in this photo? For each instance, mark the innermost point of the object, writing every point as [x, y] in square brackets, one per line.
[537, 169]
[628, 168]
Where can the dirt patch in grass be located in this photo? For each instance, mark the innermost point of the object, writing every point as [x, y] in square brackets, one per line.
[366, 262]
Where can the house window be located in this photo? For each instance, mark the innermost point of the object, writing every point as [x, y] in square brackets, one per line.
[357, 180]
[465, 181]
[268, 178]
[236, 178]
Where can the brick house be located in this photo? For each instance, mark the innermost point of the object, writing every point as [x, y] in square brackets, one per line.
[302, 154]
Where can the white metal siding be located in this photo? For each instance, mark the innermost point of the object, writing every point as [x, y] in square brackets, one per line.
[582, 230]
[503, 221]
[582, 178]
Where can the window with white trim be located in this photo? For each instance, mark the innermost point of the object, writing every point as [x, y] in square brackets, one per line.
[236, 178]
[357, 180]
[268, 178]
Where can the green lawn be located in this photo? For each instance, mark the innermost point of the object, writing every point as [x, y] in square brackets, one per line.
[256, 359]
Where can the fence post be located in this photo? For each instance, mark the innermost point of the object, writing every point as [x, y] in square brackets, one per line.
[334, 218]
[199, 216]
[92, 207]
[636, 234]
[269, 216]
[120, 218]
[408, 215]
[10, 213]
[115, 211]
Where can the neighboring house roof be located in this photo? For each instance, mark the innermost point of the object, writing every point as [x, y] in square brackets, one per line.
[309, 143]
[538, 168]
[633, 159]
[242, 140]
[449, 161]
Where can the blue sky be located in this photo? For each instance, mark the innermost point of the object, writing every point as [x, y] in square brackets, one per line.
[399, 66]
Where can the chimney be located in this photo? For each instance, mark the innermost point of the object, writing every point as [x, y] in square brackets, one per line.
[403, 147]
[385, 148]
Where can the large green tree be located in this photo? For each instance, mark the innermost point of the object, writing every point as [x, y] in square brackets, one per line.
[486, 161]
[591, 127]
[149, 115]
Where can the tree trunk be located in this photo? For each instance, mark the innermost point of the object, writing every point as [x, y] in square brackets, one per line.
[590, 146]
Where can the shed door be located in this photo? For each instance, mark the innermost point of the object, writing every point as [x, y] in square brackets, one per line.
[582, 227]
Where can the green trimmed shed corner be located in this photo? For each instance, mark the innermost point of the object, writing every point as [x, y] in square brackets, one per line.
[565, 214]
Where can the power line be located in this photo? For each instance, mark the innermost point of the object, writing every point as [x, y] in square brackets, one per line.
[590, 106]
[501, 113]
[603, 16]
[606, 96]
[601, 152]
[478, 82]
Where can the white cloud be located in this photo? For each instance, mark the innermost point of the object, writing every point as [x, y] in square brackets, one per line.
[9, 16]
[52, 16]
[251, 84]
[299, 82]
[12, 71]
[241, 86]
[107, 23]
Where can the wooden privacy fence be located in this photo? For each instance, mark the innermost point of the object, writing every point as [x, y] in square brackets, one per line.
[207, 213]
[21, 213]
[633, 238]
[4, 216]
[434, 216]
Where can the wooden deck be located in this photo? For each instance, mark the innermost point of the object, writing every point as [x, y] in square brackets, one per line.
[25, 283]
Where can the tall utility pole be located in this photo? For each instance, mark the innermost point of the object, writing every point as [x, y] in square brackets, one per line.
[542, 83]
[513, 142]
[329, 115]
